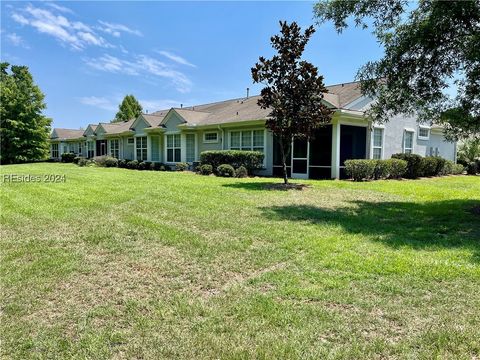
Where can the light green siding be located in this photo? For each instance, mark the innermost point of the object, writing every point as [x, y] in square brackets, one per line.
[140, 126]
[172, 122]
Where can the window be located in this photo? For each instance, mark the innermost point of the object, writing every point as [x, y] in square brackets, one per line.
[377, 143]
[80, 148]
[423, 133]
[65, 149]
[90, 149]
[174, 152]
[408, 142]
[55, 150]
[210, 137]
[114, 148]
[190, 147]
[247, 140]
[130, 141]
[142, 148]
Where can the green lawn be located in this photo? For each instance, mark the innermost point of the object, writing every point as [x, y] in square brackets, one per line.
[128, 264]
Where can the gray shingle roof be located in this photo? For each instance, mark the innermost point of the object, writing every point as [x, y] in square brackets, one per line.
[234, 110]
[68, 133]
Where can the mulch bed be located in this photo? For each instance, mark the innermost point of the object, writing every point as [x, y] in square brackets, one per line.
[286, 187]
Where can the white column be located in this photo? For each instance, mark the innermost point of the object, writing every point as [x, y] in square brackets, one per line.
[183, 147]
[335, 171]
[149, 148]
[134, 148]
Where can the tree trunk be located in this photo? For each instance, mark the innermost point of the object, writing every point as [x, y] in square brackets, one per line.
[285, 150]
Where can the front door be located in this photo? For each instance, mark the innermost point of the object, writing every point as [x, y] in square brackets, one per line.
[300, 148]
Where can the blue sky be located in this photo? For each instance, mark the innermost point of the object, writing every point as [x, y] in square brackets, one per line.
[86, 56]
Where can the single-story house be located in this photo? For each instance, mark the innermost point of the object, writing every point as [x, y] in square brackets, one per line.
[181, 134]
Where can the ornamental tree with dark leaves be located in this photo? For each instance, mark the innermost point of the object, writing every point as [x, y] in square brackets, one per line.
[427, 48]
[293, 90]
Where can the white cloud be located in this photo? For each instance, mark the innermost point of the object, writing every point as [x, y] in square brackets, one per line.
[99, 102]
[176, 58]
[59, 7]
[75, 34]
[17, 40]
[117, 29]
[141, 65]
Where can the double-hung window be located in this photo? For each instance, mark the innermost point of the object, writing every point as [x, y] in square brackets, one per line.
[90, 149]
[142, 148]
[377, 143]
[55, 150]
[80, 148]
[408, 142]
[115, 148]
[247, 140]
[174, 151]
[423, 132]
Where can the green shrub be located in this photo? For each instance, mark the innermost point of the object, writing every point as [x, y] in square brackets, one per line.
[381, 170]
[241, 172]
[429, 166]
[226, 170]
[157, 166]
[414, 164]
[68, 157]
[472, 168]
[83, 162]
[251, 160]
[105, 161]
[458, 169]
[205, 169]
[398, 168]
[360, 169]
[76, 159]
[147, 165]
[181, 166]
[133, 165]
[447, 167]
[122, 163]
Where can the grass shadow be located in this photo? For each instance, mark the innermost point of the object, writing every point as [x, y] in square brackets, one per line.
[435, 225]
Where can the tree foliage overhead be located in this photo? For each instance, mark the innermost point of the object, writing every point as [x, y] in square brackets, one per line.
[24, 130]
[293, 89]
[129, 109]
[426, 49]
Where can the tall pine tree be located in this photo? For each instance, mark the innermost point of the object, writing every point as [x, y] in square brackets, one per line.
[129, 109]
[24, 130]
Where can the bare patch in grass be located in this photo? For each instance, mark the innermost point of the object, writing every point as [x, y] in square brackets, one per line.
[286, 187]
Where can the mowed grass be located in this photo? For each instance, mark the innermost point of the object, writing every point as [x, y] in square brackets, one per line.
[117, 263]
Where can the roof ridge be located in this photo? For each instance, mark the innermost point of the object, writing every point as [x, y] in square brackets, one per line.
[343, 83]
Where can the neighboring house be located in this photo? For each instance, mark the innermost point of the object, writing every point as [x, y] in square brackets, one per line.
[181, 134]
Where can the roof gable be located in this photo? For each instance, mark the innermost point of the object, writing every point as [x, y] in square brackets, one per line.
[90, 130]
[139, 121]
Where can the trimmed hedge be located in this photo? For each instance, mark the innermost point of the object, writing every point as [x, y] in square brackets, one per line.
[458, 169]
[366, 169]
[226, 170]
[414, 164]
[361, 169]
[105, 161]
[250, 160]
[181, 166]
[68, 157]
[398, 168]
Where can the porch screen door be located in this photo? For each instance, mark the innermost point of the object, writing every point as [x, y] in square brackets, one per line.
[300, 148]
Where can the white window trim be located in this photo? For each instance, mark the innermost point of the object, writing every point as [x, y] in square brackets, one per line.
[141, 148]
[405, 138]
[110, 147]
[252, 147]
[205, 141]
[422, 127]
[166, 148]
[373, 141]
[131, 143]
